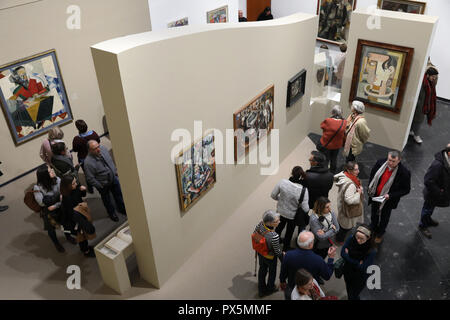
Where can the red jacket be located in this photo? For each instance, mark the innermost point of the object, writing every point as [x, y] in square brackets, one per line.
[329, 127]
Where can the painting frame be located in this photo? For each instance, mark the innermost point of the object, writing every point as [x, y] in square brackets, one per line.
[178, 23]
[210, 15]
[397, 86]
[180, 173]
[301, 78]
[238, 117]
[421, 4]
[33, 112]
[319, 5]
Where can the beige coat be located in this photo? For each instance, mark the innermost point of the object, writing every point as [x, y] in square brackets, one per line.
[362, 133]
[351, 197]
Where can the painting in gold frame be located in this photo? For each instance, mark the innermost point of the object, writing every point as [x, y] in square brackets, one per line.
[407, 6]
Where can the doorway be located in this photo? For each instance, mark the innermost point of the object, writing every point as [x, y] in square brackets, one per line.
[255, 7]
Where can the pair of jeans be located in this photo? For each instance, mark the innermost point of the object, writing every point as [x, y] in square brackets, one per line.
[379, 221]
[290, 228]
[116, 191]
[425, 217]
[340, 236]
[350, 157]
[332, 158]
[266, 266]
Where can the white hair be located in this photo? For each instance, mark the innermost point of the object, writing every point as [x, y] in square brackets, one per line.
[307, 243]
[270, 216]
[336, 111]
[358, 106]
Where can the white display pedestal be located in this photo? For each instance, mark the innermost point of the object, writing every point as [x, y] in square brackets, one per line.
[112, 263]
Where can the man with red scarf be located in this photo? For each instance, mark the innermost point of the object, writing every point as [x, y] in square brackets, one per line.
[426, 105]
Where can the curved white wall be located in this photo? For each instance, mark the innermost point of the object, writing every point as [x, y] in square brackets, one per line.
[150, 88]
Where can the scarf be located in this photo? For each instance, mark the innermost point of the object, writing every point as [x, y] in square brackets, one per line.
[353, 178]
[314, 293]
[349, 135]
[84, 135]
[374, 183]
[429, 107]
[358, 251]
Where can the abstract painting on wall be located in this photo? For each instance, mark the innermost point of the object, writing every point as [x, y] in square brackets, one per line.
[253, 121]
[403, 6]
[196, 171]
[380, 74]
[218, 15]
[178, 23]
[33, 97]
[296, 88]
[334, 19]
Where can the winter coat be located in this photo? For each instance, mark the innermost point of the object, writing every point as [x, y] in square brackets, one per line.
[351, 197]
[319, 181]
[437, 182]
[288, 194]
[329, 127]
[400, 187]
[362, 133]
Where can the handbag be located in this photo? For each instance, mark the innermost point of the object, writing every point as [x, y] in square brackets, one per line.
[301, 218]
[351, 210]
[322, 148]
[339, 268]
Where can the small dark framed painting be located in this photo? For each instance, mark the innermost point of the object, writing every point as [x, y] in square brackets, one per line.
[296, 88]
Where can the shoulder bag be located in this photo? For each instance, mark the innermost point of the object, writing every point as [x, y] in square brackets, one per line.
[301, 218]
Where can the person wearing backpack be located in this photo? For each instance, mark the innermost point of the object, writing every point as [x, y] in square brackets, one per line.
[289, 194]
[266, 243]
[350, 200]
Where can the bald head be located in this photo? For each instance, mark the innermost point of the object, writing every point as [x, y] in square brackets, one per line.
[94, 147]
[305, 240]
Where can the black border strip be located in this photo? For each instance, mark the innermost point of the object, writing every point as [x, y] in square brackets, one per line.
[32, 170]
[446, 101]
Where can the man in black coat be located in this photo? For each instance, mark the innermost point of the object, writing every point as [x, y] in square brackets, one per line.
[437, 189]
[391, 180]
[319, 179]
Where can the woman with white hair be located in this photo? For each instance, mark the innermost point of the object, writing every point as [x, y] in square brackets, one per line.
[357, 132]
[332, 139]
[268, 261]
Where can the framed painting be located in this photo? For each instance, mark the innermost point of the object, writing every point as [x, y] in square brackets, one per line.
[380, 74]
[178, 23]
[403, 6]
[334, 20]
[33, 96]
[296, 88]
[253, 121]
[218, 15]
[196, 171]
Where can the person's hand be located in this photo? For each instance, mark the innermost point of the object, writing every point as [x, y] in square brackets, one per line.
[82, 188]
[346, 250]
[360, 190]
[51, 208]
[283, 286]
[361, 262]
[332, 252]
[320, 232]
[333, 226]
[386, 196]
[284, 253]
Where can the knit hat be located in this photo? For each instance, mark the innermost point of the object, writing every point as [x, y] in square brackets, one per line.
[358, 106]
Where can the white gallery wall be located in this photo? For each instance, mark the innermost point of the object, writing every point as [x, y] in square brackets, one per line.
[439, 50]
[164, 11]
[182, 86]
[32, 28]
[402, 29]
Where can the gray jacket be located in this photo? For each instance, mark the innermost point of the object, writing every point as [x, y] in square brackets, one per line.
[287, 194]
[99, 172]
[316, 225]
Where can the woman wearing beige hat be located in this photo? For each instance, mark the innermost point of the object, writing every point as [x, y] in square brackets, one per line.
[357, 132]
